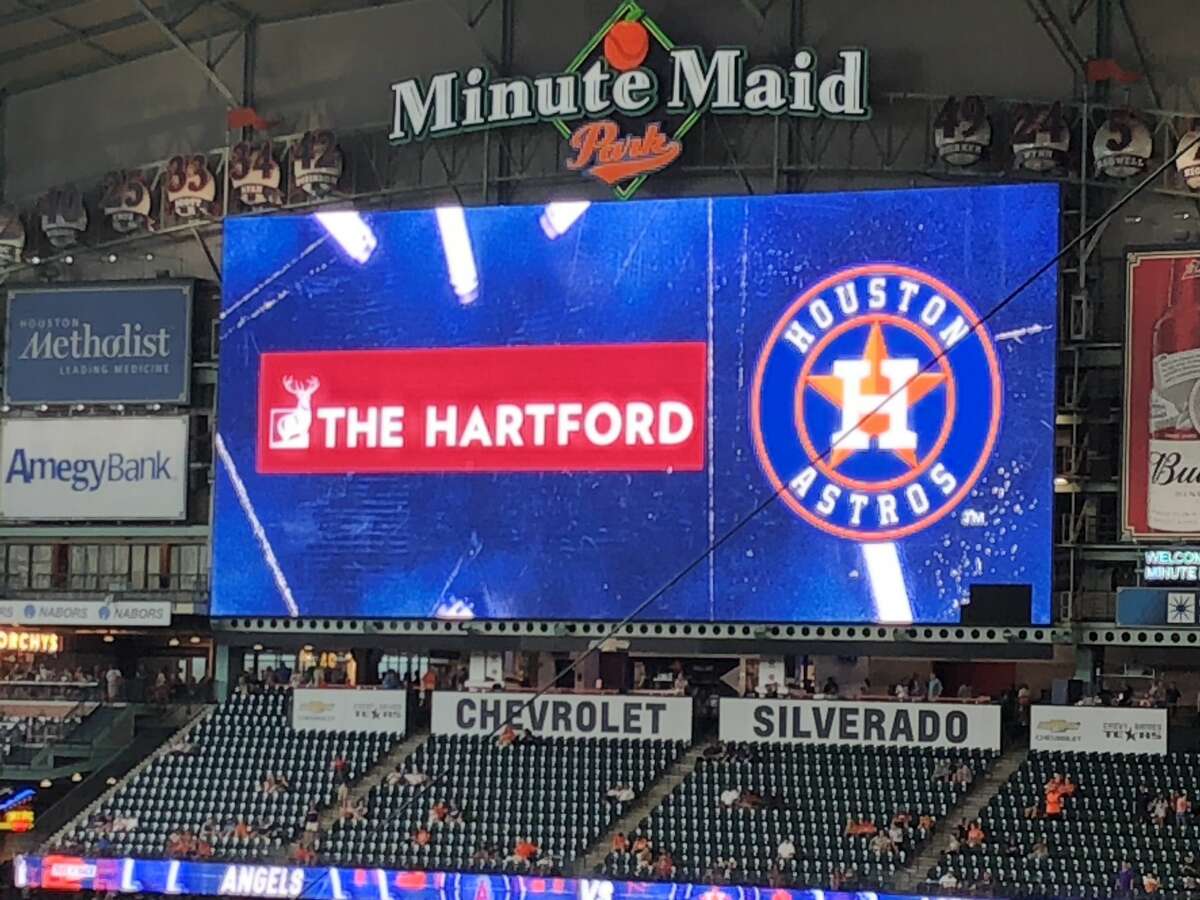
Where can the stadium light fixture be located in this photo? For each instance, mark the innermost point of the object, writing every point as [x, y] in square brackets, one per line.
[194, 639]
[76, 777]
[69, 259]
[460, 257]
[112, 257]
[45, 783]
[557, 218]
[35, 260]
[258, 648]
[350, 230]
[108, 639]
[173, 642]
[1061, 480]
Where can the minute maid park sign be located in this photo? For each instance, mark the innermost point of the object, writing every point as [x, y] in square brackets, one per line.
[614, 81]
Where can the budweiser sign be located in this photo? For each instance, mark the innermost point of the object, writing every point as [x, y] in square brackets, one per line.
[611, 407]
[1162, 470]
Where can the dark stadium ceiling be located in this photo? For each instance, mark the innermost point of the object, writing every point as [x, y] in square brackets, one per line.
[44, 41]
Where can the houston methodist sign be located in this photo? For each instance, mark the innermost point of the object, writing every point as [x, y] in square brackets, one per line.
[620, 72]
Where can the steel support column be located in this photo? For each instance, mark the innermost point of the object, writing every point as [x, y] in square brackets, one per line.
[249, 70]
[3, 153]
[181, 45]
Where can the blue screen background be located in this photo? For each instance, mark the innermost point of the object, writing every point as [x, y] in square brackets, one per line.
[558, 546]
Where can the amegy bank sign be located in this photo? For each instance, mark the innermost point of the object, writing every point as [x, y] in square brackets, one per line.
[951, 726]
[645, 717]
[629, 66]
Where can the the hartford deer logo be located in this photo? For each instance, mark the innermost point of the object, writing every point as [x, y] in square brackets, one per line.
[290, 425]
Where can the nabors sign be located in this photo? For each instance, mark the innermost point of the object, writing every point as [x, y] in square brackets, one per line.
[628, 71]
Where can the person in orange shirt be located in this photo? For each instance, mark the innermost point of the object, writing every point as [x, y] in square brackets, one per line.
[1054, 803]
[525, 850]
[620, 843]
[1068, 787]
[860, 827]
[421, 837]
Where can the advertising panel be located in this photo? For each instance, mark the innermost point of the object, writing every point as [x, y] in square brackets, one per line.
[948, 726]
[1157, 606]
[1098, 729]
[142, 613]
[543, 412]
[1162, 394]
[115, 342]
[645, 717]
[213, 879]
[349, 709]
[94, 468]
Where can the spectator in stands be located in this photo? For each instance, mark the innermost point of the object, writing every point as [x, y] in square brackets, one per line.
[786, 850]
[508, 736]
[438, 813]
[724, 869]
[750, 800]
[112, 681]
[525, 852]
[714, 752]
[641, 844]
[864, 689]
[303, 855]
[964, 691]
[1157, 694]
[415, 779]
[776, 878]
[1039, 851]
[1158, 811]
[620, 793]
[340, 768]
[484, 856]
[926, 823]
[421, 837]
[934, 687]
[1150, 883]
[1124, 880]
[881, 844]
[1053, 803]
[394, 778]
[983, 884]
[664, 866]
[1183, 810]
[948, 881]
[391, 680]
[860, 827]
[1141, 802]
[975, 834]
[1190, 870]
[901, 691]
[312, 819]
[895, 832]
[830, 688]
[941, 769]
[620, 843]
[963, 775]
[842, 879]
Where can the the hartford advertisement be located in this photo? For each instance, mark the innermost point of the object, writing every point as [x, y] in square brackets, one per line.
[545, 411]
[878, 724]
[1098, 729]
[116, 342]
[94, 468]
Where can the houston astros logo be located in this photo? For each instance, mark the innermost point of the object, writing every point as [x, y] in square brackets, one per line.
[876, 402]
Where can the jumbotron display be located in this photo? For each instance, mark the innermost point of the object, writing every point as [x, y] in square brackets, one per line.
[547, 412]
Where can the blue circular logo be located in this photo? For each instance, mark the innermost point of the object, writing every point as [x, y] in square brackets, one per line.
[105, 612]
[876, 402]
[30, 611]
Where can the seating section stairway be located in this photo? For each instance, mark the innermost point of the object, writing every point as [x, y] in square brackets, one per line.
[1102, 825]
[804, 793]
[202, 793]
[550, 792]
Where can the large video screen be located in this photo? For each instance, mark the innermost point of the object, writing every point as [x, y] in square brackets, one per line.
[549, 412]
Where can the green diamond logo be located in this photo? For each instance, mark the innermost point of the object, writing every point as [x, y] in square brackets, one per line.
[627, 11]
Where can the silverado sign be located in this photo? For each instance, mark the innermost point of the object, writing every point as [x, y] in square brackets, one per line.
[614, 80]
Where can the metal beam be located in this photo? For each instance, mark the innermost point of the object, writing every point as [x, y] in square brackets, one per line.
[1141, 53]
[3, 156]
[181, 45]
[33, 13]
[66, 40]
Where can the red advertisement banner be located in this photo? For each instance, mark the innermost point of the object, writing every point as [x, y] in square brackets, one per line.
[613, 407]
[1162, 395]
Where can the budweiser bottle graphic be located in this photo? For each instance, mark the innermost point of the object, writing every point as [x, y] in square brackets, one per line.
[1173, 497]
